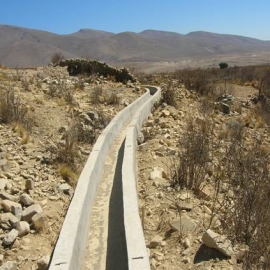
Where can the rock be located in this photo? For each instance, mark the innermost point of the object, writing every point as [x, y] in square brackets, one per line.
[167, 136]
[6, 196]
[158, 181]
[218, 242]
[38, 222]
[43, 263]
[157, 173]
[65, 187]
[158, 256]
[183, 225]
[4, 164]
[149, 123]
[143, 146]
[156, 241]
[29, 184]
[165, 113]
[159, 154]
[225, 108]
[161, 148]
[184, 196]
[215, 223]
[186, 260]
[26, 200]
[186, 252]
[23, 228]
[185, 206]
[8, 221]
[10, 265]
[13, 207]
[186, 242]
[30, 211]
[205, 193]
[10, 238]
[140, 138]
[3, 183]
[163, 123]
[241, 254]
[170, 151]
[6, 205]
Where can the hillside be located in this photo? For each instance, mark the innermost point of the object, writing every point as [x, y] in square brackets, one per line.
[218, 133]
[22, 47]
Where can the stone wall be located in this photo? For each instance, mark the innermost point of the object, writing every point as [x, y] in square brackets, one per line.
[89, 67]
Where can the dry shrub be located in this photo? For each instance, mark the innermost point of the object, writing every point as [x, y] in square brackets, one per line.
[25, 85]
[67, 174]
[263, 110]
[39, 101]
[79, 85]
[189, 169]
[12, 108]
[95, 95]
[67, 149]
[52, 90]
[21, 131]
[169, 94]
[248, 220]
[69, 95]
[57, 57]
[112, 99]
[104, 119]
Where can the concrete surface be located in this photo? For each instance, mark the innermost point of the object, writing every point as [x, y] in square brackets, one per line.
[136, 247]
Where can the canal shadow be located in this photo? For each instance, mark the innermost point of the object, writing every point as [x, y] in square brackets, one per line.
[116, 246]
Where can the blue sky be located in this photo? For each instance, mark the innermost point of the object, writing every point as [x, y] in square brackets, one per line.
[241, 17]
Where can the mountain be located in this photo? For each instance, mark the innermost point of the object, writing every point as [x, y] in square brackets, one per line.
[23, 47]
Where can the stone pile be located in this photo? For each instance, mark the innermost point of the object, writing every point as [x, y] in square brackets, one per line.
[24, 185]
[90, 67]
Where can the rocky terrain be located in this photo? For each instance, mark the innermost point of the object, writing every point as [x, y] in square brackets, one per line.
[184, 227]
[49, 122]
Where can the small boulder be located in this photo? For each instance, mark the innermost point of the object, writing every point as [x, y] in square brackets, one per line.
[10, 265]
[7, 205]
[23, 228]
[218, 242]
[38, 222]
[183, 224]
[26, 200]
[30, 211]
[157, 173]
[43, 263]
[10, 238]
[156, 241]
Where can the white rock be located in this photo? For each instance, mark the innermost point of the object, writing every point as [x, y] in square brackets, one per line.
[23, 228]
[157, 173]
[10, 265]
[43, 263]
[10, 237]
[3, 183]
[218, 242]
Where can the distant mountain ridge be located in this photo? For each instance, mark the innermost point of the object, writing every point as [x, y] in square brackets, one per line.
[23, 47]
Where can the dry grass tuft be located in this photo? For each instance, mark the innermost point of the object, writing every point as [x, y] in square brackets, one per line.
[21, 131]
[67, 174]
